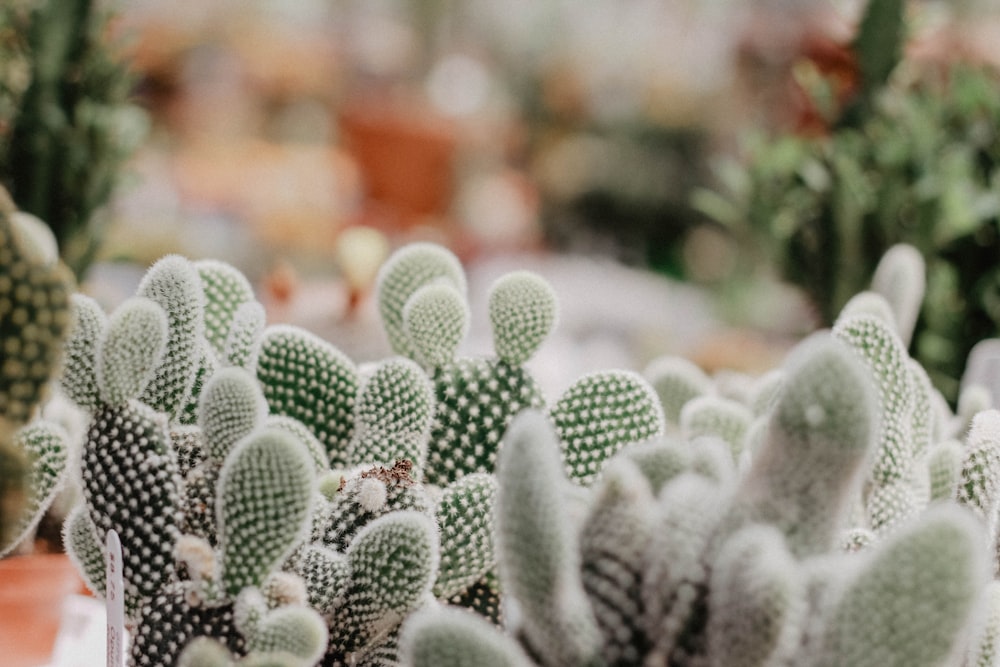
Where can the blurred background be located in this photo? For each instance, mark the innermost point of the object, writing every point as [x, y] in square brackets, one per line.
[683, 171]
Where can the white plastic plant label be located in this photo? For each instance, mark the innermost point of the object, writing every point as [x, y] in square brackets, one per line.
[115, 601]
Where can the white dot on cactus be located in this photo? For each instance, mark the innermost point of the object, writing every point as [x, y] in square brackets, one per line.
[372, 494]
[815, 415]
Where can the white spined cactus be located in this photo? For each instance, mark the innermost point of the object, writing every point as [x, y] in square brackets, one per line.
[523, 311]
[130, 350]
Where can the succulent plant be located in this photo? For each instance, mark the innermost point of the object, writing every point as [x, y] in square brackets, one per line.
[34, 317]
[678, 556]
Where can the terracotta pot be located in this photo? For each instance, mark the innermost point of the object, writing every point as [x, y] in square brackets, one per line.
[32, 589]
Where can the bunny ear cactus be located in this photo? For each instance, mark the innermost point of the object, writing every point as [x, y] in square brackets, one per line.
[523, 312]
[393, 417]
[537, 547]
[173, 283]
[456, 638]
[47, 448]
[34, 314]
[226, 291]
[391, 563]
[266, 490]
[409, 269]
[820, 436]
[599, 414]
[900, 277]
[425, 313]
[614, 540]
[756, 601]
[910, 603]
[309, 379]
[676, 381]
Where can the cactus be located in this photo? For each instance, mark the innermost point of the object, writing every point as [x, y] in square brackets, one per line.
[421, 291]
[310, 380]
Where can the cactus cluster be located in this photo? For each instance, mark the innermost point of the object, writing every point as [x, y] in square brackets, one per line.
[831, 512]
[280, 505]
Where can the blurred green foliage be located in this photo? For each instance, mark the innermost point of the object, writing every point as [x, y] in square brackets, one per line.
[921, 166]
[66, 125]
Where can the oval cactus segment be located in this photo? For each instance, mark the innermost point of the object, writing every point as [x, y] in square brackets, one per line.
[226, 290]
[173, 283]
[811, 462]
[245, 331]
[911, 602]
[900, 277]
[265, 495]
[34, 315]
[84, 549]
[47, 446]
[537, 545]
[718, 417]
[601, 413]
[436, 319]
[888, 362]
[294, 630]
[523, 311]
[308, 379]
[756, 601]
[676, 381]
[449, 637]
[465, 519]
[393, 416]
[232, 405]
[79, 374]
[131, 351]
[406, 271]
[131, 484]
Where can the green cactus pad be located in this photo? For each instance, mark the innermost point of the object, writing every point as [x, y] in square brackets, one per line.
[888, 363]
[47, 447]
[980, 478]
[85, 550]
[676, 381]
[614, 540]
[538, 558]
[226, 290]
[367, 493]
[244, 335]
[309, 379]
[821, 434]
[305, 436]
[295, 630]
[717, 417]
[406, 271]
[34, 317]
[756, 601]
[172, 619]
[173, 283]
[325, 573]
[523, 311]
[465, 518]
[131, 485]
[392, 562]
[900, 278]
[476, 400]
[79, 375]
[393, 416]
[600, 414]
[265, 494]
[231, 406]
[436, 319]
[944, 465]
[130, 350]
[909, 605]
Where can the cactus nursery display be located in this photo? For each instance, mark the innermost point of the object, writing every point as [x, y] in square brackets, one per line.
[279, 504]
